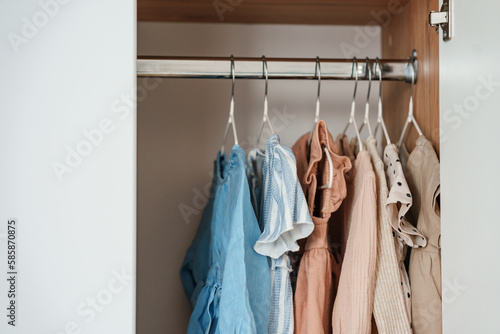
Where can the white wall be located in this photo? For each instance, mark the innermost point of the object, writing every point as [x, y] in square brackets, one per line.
[180, 129]
[470, 165]
[66, 74]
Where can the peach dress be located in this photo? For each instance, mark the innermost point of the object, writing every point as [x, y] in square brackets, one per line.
[319, 270]
[353, 308]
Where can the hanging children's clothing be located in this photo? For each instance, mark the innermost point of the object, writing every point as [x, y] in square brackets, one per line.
[285, 219]
[319, 270]
[236, 295]
[313, 239]
[389, 308]
[423, 173]
[353, 308]
[398, 203]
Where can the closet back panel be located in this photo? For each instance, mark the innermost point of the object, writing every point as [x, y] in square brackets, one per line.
[180, 129]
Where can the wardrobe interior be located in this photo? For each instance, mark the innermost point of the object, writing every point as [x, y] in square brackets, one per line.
[181, 122]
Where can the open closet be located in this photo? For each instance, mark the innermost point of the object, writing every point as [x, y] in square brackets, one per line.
[181, 119]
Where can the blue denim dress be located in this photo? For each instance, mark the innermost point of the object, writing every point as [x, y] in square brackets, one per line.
[236, 295]
[194, 270]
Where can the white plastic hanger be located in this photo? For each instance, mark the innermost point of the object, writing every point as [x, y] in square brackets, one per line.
[317, 72]
[410, 118]
[352, 120]
[366, 120]
[231, 111]
[316, 119]
[265, 117]
[380, 118]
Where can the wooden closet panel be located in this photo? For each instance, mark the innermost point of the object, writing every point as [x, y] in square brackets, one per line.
[341, 12]
[404, 32]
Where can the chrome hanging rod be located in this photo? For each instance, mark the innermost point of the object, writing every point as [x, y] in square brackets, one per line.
[278, 68]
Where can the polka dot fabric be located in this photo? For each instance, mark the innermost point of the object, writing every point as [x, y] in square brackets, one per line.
[397, 205]
[400, 195]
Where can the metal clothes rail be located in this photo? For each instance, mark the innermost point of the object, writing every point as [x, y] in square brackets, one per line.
[278, 68]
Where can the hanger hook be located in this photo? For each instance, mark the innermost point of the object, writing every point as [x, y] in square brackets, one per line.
[317, 72]
[379, 68]
[355, 72]
[233, 77]
[410, 62]
[413, 72]
[369, 71]
[265, 117]
[380, 118]
[266, 76]
[366, 120]
[368, 68]
[230, 120]
[352, 120]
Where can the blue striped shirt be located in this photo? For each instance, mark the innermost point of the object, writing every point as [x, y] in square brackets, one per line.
[284, 218]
